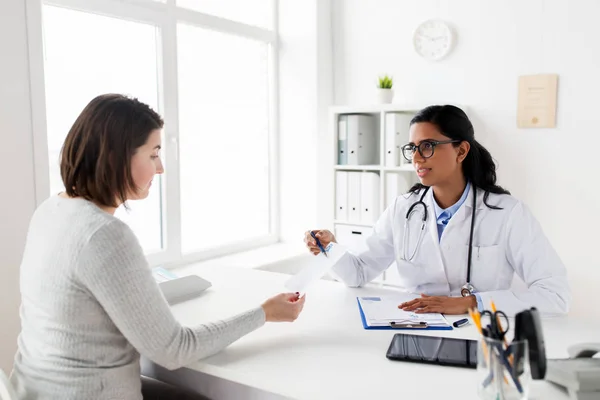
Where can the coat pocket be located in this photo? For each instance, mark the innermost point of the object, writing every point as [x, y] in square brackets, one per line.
[486, 265]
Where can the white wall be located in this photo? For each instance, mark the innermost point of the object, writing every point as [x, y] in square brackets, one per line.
[306, 91]
[17, 197]
[553, 170]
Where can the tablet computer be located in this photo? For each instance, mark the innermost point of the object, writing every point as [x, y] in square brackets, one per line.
[433, 350]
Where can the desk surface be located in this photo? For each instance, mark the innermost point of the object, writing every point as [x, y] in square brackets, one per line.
[326, 353]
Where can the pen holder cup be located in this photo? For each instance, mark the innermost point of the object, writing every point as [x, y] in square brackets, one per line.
[503, 372]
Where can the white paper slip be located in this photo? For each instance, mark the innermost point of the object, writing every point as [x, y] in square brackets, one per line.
[380, 311]
[317, 268]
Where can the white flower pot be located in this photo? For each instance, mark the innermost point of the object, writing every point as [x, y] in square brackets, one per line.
[385, 96]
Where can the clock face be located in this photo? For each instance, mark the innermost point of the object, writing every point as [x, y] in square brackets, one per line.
[433, 39]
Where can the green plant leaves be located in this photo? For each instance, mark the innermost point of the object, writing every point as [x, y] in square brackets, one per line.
[386, 82]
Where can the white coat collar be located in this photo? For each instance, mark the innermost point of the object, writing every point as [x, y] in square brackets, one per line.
[478, 202]
[468, 201]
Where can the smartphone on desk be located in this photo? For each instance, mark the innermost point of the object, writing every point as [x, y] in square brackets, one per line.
[433, 350]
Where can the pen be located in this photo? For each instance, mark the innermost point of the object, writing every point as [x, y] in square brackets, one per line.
[461, 322]
[476, 317]
[318, 243]
[493, 306]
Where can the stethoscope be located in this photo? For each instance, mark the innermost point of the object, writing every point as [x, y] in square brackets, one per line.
[467, 289]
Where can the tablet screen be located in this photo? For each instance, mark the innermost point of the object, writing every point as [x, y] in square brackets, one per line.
[434, 350]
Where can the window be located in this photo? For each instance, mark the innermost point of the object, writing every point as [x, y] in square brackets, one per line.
[105, 55]
[224, 137]
[209, 71]
[252, 12]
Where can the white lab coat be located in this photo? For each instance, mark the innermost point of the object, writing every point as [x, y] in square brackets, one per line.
[505, 242]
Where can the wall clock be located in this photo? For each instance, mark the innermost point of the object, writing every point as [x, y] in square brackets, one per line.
[433, 39]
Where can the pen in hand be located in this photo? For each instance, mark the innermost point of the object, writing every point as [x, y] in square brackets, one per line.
[318, 243]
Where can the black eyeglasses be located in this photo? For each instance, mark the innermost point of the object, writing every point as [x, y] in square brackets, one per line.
[426, 148]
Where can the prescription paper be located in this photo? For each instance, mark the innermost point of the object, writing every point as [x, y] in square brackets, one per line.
[380, 311]
[316, 269]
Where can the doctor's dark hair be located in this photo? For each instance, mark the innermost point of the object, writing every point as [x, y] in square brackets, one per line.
[478, 166]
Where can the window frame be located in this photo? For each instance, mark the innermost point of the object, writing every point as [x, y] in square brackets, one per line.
[164, 16]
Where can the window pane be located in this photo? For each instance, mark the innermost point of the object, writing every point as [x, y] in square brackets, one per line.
[251, 12]
[224, 138]
[87, 55]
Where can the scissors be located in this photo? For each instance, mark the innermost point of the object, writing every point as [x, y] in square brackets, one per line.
[495, 329]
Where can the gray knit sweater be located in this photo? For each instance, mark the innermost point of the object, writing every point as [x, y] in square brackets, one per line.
[90, 306]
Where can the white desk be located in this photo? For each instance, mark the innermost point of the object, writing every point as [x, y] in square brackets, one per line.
[326, 353]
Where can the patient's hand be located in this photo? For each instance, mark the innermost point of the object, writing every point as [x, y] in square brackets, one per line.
[284, 307]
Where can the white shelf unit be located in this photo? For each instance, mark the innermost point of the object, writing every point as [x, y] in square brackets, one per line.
[353, 232]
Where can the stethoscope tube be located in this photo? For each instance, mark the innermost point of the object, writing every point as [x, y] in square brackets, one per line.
[412, 209]
[468, 288]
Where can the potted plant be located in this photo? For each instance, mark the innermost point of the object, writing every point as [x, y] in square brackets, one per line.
[385, 92]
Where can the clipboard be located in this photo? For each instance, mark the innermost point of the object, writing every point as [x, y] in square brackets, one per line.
[366, 326]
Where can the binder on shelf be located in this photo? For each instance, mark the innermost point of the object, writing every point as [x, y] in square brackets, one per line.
[352, 131]
[396, 135]
[362, 143]
[341, 195]
[369, 202]
[392, 142]
[343, 140]
[354, 197]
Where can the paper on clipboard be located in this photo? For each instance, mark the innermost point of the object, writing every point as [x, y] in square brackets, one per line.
[316, 270]
[380, 311]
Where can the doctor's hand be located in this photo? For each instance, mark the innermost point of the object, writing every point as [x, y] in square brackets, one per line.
[440, 304]
[324, 236]
[284, 307]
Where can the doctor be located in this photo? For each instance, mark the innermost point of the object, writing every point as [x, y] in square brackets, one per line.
[457, 237]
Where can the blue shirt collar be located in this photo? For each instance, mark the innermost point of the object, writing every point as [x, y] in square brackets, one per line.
[444, 215]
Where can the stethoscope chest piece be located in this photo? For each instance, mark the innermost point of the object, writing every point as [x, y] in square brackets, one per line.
[467, 290]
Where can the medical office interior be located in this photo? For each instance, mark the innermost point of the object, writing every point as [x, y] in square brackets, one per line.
[254, 95]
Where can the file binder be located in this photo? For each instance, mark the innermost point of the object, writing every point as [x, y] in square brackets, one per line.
[392, 142]
[362, 140]
[445, 326]
[343, 140]
[369, 202]
[341, 195]
[397, 126]
[354, 196]
[352, 139]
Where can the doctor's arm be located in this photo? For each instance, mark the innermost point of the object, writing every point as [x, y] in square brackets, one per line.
[536, 262]
[356, 269]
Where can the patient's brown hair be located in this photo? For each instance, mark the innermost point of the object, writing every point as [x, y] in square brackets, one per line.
[96, 156]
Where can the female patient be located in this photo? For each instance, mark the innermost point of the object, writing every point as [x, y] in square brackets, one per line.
[90, 304]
